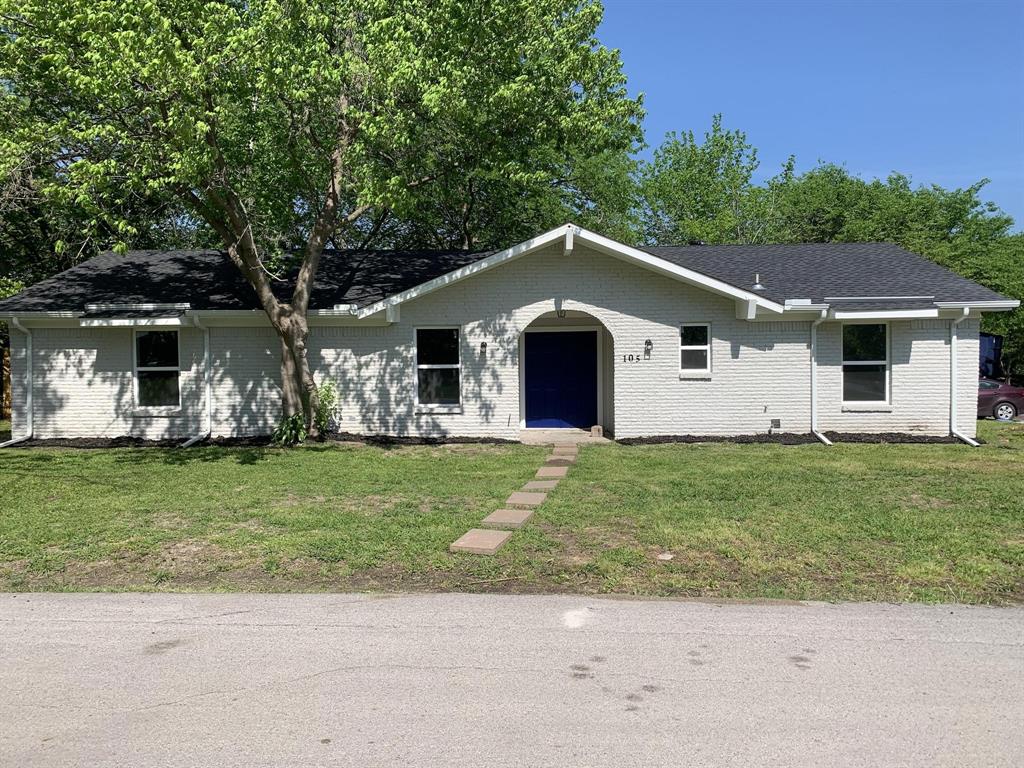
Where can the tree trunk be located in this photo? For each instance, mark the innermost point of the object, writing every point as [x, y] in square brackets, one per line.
[291, 394]
[298, 387]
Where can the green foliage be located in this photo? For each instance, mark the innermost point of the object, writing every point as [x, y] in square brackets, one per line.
[204, 101]
[327, 406]
[291, 431]
[695, 191]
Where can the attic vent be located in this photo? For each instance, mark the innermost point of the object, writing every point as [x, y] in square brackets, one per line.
[757, 282]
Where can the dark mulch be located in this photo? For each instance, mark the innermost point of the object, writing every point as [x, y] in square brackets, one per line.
[887, 437]
[789, 438]
[780, 438]
[255, 441]
[390, 440]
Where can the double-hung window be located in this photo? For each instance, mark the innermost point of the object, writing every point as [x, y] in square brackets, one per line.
[695, 348]
[438, 368]
[866, 363]
[157, 369]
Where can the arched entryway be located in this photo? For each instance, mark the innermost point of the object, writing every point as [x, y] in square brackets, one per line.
[567, 376]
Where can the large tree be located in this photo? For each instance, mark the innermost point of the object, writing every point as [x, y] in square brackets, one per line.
[702, 190]
[286, 126]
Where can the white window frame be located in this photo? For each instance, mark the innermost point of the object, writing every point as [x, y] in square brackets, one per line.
[684, 347]
[422, 407]
[887, 400]
[136, 368]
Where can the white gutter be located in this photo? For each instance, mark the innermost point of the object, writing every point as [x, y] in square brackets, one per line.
[15, 323]
[953, 334]
[207, 384]
[814, 378]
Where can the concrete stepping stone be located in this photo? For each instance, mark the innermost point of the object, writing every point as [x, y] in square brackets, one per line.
[541, 485]
[478, 541]
[560, 461]
[565, 450]
[507, 518]
[526, 499]
[549, 472]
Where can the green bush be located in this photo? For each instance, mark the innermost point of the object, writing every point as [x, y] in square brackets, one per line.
[291, 431]
[328, 407]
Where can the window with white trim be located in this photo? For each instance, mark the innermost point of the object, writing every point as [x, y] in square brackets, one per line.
[866, 363]
[695, 348]
[438, 367]
[157, 369]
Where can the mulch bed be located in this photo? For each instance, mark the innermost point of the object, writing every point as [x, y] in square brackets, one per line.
[790, 438]
[888, 437]
[389, 440]
[255, 441]
[780, 438]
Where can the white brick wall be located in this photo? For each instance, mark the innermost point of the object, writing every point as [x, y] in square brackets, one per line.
[82, 385]
[919, 360]
[760, 371]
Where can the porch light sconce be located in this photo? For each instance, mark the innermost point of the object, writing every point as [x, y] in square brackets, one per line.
[648, 346]
[483, 347]
[560, 312]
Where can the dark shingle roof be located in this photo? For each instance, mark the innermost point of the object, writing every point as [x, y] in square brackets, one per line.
[819, 270]
[208, 280]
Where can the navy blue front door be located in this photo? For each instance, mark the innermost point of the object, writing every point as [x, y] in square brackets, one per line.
[561, 379]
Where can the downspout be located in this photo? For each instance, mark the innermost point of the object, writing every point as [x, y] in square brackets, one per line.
[814, 378]
[953, 335]
[29, 421]
[207, 385]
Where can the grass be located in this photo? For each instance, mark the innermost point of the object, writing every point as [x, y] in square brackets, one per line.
[5, 430]
[852, 522]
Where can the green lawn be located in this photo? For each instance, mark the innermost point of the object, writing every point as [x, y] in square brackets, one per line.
[852, 522]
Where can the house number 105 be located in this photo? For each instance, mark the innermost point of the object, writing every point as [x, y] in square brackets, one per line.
[631, 358]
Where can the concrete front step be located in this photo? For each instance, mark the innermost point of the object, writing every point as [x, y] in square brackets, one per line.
[548, 472]
[507, 518]
[478, 541]
[541, 485]
[526, 499]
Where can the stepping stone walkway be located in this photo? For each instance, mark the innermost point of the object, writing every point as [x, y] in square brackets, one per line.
[549, 472]
[507, 518]
[497, 527]
[477, 541]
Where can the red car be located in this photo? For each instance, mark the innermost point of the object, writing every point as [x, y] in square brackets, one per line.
[995, 398]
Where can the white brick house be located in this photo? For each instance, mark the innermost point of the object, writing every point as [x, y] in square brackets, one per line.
[568, 329]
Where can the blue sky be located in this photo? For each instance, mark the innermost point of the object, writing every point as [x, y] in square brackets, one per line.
[932, 89]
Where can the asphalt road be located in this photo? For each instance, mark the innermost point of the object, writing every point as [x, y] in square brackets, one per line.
[462, 680]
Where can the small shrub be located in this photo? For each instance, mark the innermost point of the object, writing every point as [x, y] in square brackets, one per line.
[327, 410]
[291, 431]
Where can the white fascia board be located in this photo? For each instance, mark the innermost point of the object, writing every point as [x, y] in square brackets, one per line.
[133, 322]
[494, 260]
[982, 306]
[877, 298]
[139, 307]
[885, 314]
[657, 264]
[41, 315]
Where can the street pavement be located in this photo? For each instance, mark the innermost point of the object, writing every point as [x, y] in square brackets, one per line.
[488, 680]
